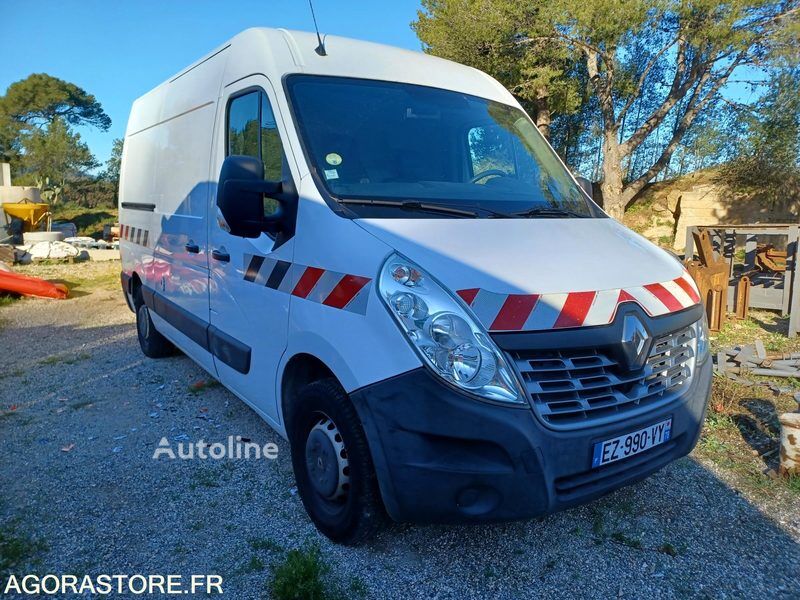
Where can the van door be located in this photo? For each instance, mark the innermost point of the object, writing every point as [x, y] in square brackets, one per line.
[249, 277]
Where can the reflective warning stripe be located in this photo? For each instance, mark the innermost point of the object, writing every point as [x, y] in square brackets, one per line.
[514, 312]
[537, 312]
[336, 290]
[135, 235]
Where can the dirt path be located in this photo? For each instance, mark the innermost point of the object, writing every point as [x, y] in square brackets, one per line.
[80, 492]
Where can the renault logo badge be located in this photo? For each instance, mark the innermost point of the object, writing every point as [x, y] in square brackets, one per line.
[635, 341]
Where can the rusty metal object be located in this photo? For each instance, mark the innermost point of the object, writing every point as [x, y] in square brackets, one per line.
[769, 259]
[743, 298]
[710, 273]
[790, 444]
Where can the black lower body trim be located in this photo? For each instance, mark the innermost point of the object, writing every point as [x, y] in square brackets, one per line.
[229, 350]
[440, 456]
[225, 347]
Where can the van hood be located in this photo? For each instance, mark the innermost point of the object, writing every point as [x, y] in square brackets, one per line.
[544, 259]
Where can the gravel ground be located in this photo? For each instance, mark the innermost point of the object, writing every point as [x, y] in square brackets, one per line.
[73, 372]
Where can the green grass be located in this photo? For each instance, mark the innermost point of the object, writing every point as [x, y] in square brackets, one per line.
[265, 544]
[624, 539]
[207, 477]
[65, 359]
[740, 418]
[302, 576]
[89, 221]
[768, 326]
[8, 299]
[668, 549]
[254, 565]
[16, 550]
[14, 373]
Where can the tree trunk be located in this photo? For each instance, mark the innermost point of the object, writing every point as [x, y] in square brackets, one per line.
[542, 105]
[613, 201]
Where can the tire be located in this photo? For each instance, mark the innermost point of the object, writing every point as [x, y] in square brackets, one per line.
[152, 343]
[344, 502]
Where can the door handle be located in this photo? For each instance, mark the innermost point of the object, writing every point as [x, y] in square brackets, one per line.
[221, 255]
[192, 248]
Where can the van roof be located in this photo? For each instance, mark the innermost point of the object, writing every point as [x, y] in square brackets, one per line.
[278, 52]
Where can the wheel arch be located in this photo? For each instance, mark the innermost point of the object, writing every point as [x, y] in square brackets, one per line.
[131, 284]
[300, 370]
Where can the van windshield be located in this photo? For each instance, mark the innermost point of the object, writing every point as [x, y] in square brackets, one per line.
[380, 146]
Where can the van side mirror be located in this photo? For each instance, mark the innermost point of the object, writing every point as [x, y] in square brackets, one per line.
[240, 197]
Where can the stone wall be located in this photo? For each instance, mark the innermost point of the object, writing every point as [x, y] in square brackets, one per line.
[666, 209]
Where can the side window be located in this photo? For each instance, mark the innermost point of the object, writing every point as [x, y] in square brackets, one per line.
[271, 148]
[252, 131]
[243, 125]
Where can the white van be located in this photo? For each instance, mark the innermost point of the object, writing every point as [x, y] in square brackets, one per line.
[377, 251]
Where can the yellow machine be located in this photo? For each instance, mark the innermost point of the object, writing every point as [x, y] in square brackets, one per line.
[32, 214]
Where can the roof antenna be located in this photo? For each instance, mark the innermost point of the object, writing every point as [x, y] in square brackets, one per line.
[321, 48]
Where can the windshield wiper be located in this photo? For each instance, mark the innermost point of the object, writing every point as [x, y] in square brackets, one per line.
[551, 211]
[413, 205]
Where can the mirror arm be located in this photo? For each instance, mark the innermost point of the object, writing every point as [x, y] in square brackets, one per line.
[269, 188]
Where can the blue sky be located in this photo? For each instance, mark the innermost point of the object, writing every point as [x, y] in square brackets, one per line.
[119, 50]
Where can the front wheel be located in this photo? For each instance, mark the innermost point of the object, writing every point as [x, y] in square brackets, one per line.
[153, 344]
[332, 464]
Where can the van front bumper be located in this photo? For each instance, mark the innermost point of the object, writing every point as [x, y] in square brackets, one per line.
[441, 456]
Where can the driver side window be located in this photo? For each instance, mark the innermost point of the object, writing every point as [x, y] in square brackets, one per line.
[252, 131]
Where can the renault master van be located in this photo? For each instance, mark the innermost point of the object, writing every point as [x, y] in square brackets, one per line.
[378, 252]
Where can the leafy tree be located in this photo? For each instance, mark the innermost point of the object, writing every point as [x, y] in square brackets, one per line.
[492, 35]
[34, 103]
[654, 69]
[40, 98]
[55, 154]
[685, 53]
[114, 162]
[768, 158]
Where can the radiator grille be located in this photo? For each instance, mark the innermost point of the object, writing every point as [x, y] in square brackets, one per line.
[571, 389]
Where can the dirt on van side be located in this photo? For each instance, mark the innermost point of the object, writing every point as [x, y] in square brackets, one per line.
[82, 413]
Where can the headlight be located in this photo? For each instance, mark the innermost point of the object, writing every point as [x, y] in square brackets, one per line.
[701, 332]
[444, 334]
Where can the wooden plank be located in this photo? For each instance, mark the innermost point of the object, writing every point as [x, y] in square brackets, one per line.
[750, 245]
[792, 291]
[688, 253]
[791, 252]
[743, 298]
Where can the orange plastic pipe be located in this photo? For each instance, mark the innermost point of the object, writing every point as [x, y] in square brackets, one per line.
[31, 286]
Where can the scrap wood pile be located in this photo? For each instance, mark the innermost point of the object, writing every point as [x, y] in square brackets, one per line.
[753, 359]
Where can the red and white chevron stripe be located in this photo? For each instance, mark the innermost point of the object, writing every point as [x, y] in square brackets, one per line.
[537, 312]
[331, 288]
[137, 235]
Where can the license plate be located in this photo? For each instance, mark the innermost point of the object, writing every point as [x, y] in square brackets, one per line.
[631, 443]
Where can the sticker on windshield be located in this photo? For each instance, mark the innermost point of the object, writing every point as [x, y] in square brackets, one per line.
[333, 159]
[331, 174]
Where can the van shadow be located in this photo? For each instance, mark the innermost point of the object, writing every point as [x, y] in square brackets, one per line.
[683, 532]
